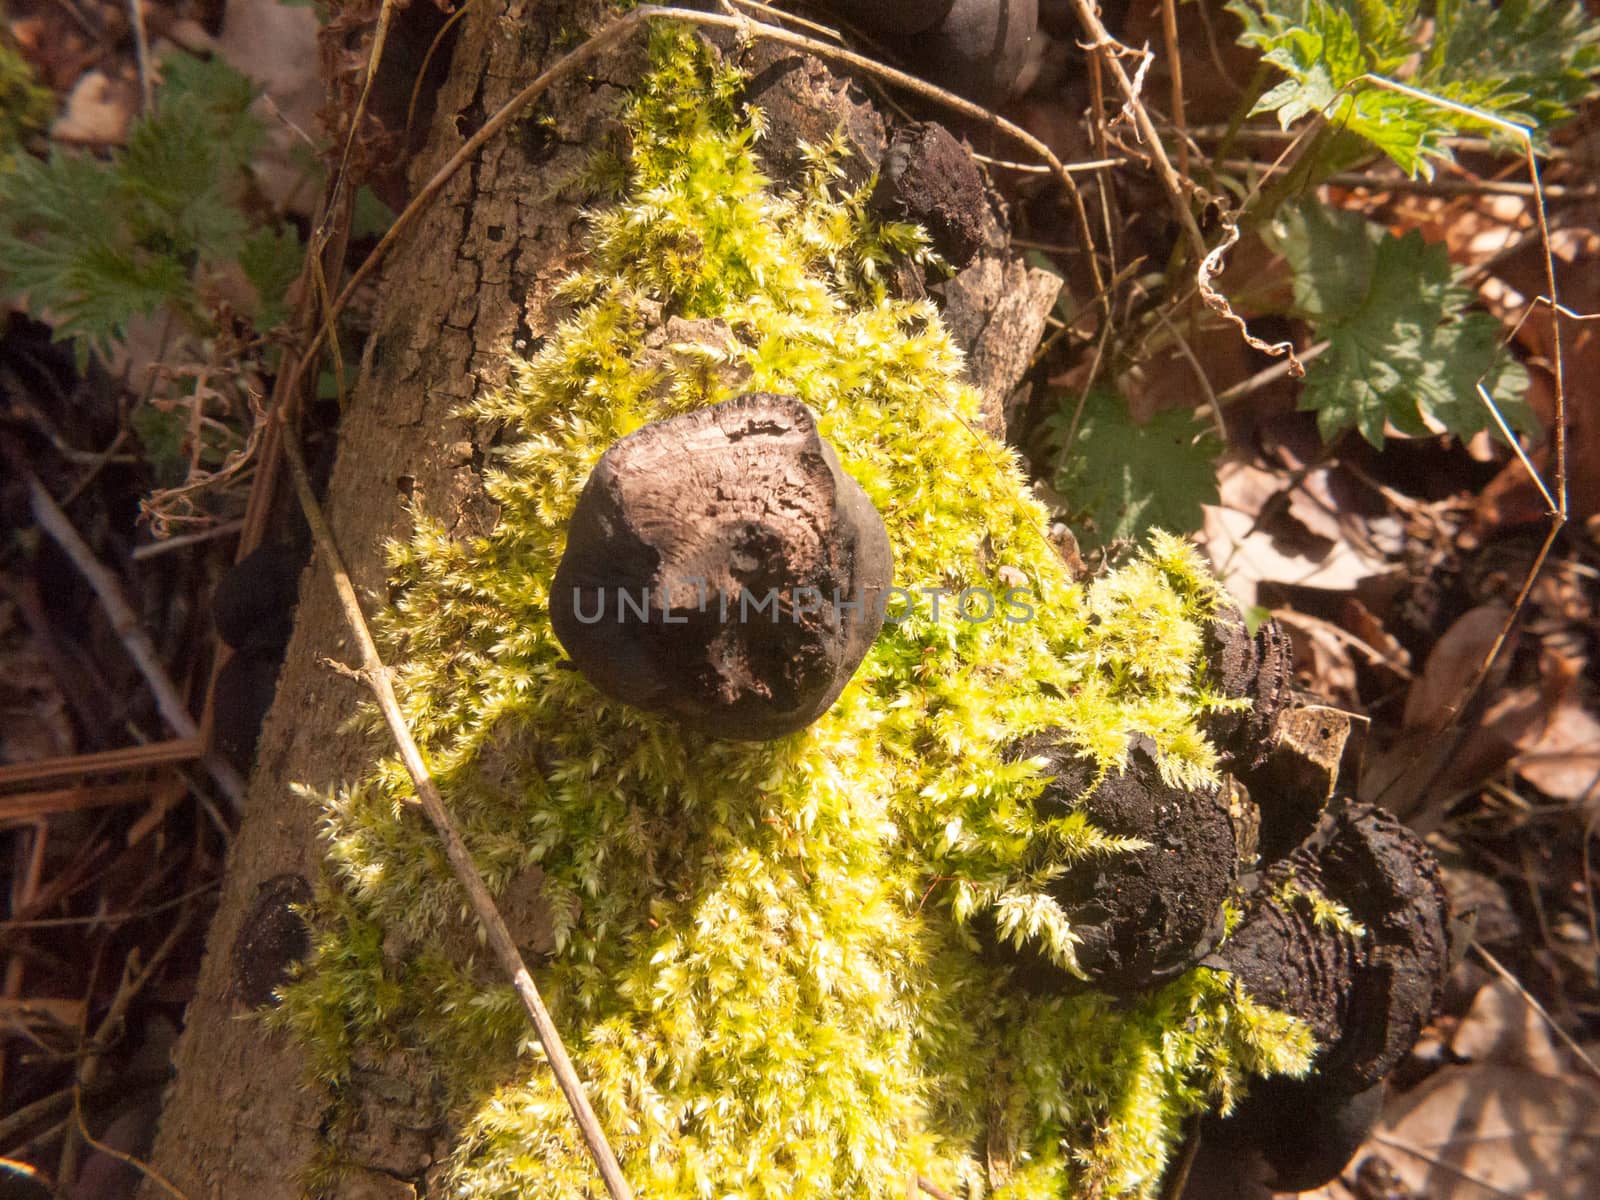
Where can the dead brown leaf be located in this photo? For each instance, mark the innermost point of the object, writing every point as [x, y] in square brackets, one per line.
[1455, 659]
[1482, 1131]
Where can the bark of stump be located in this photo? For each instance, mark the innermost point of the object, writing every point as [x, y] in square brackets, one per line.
[471, 285]
[239, 1120]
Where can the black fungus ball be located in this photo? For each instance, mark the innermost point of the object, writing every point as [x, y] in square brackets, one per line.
[975, 48]
[1365, 986]
[253, 606]
[244, 690]
[271, 939]
[1294, 1135]
[979, 49]
[722, 567]
[927, 176]
[1142, 916]
[898, 18]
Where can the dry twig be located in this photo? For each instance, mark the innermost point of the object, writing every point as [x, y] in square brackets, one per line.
[125, 622]
[377, 676]
[1100, 39]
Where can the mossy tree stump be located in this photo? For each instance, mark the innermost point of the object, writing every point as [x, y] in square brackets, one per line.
[240, 1120]
[455, 303]
[781, 962]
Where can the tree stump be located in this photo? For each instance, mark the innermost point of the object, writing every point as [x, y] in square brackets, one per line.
[241, 1119]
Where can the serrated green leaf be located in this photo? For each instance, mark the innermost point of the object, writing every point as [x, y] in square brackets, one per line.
[218, 99]
[271, 260]
[1402, 343]
[1524, 61]
[1127, 478]
[94, 243]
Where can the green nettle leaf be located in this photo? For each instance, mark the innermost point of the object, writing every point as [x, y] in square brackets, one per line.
[93, 244]
[271, 260]
[1523, 61]
[1127, 478]
[1402, 345]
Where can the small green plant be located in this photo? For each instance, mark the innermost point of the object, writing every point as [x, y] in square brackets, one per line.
[25, 107]
[1122, 479]
[1523, 61]
[1403, 346]
[1326, 913]
[91, 244]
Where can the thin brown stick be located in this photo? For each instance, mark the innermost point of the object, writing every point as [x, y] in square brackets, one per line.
[1532, 1002]
[135, 977]
[109, 919]
[48, 1108]
[1185, 349]
[1169, 38]
[166, 546]
[102, 762]
[127, 627]
[1405, 1147]
[1100, 39]
[1462, 187]
[28, 806]
[141, 51]
[1272, 374]
[144, 1168]
[378, 678]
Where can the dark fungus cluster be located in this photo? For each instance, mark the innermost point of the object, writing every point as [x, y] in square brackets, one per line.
[253, 611]
[1344, 921]
[976, 48]
[722, 567]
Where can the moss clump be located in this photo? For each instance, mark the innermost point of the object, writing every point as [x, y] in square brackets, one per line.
[764, 955]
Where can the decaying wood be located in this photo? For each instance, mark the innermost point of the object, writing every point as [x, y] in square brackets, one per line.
[241, 1119]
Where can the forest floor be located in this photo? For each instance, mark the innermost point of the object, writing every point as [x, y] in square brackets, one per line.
[1395, 569]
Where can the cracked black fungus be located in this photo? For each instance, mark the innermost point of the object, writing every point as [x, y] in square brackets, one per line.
[1366, 996]
[927, 176]
[702, 565]
[1145, 915]
[1258, 668]
[271, 939]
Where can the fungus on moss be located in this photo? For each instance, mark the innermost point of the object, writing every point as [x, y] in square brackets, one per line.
[722, 567]
[1153, 907]
[764, 954]
[1351, 933]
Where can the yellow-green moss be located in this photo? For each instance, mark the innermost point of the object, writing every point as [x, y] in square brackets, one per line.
[765, 964]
